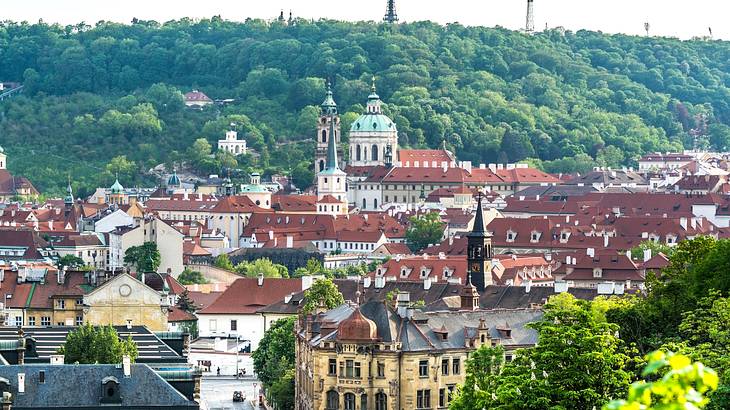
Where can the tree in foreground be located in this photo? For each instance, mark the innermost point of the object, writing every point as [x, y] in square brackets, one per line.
[88, 344]
[322, 291]
[579, 363]
[683, 386]
[274, 359]
[424, 230]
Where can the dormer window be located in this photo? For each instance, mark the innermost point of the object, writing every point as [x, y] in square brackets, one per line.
[403, 273]
[535, 236]
[671, 239]
[511, 235]
[564, 236]
[110, 390]
[597, 272]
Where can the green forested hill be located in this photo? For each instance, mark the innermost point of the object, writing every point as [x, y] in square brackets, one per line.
[568, 100]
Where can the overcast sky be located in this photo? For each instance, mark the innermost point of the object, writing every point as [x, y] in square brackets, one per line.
[667, 18]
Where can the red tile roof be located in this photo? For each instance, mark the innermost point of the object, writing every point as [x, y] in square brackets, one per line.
[424, 157]
[197, 96]
[175, 314]
[245, 296]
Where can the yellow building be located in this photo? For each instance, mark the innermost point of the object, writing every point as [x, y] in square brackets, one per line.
[124, 300]
[378, 357]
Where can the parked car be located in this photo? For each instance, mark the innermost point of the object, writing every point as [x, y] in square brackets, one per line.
[238, 396]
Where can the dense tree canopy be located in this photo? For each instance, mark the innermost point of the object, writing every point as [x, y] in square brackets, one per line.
[579, 362]
[565, 98]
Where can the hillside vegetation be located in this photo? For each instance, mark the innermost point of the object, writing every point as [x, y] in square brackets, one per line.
[567, 101]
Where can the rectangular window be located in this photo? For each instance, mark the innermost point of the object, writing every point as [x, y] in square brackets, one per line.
[349, 368]
[357, 369]
[442, 397]
[79, 320]
[445, 367]
[423, 368]
[45, 321]
[381, 369]
[456, 367]
[213, 325]
[451, 388]
[332, 370]
[31, 320]
[234, 325]
[423, 399]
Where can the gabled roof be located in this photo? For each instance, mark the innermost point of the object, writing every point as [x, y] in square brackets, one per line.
[197, 96]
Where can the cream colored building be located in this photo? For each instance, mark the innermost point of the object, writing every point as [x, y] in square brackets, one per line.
[124, 300]
[409, 360]
[169, 243]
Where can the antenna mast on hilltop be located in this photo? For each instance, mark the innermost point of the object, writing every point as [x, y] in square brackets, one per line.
[646, 28]
[390, 15]
[530, 20]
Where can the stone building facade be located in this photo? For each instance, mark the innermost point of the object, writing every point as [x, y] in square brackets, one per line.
[381, 356]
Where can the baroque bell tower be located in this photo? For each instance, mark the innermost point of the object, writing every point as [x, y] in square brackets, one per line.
[479, 251]
[328, 124]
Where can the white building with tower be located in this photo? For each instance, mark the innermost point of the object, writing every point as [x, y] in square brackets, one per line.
[232, 144]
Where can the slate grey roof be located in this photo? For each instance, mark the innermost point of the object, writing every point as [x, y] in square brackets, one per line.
[77, 386]
[48, 339]
[441, 295]
[417, 333]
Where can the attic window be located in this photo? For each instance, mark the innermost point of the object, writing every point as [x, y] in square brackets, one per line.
[403, 273]
[511, 236]
[597, 272]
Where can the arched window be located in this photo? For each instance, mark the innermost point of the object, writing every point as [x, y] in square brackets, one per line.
[333, 400]
[357, 153]
[349, 401]
[321, 165]
[374, 152]
[364, 402]
[324, 135]
[375, 203]
[381, 401]
[364, 203]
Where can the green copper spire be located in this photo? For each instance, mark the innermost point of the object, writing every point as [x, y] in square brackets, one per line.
[69, 199]
[117, 188]
[329, 107]
[332, 149]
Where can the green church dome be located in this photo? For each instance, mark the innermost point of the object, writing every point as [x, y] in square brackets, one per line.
[373, 123]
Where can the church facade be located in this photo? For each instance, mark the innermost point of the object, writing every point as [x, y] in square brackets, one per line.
[379, 173]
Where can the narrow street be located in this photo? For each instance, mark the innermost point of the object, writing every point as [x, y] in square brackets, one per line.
[217, 393]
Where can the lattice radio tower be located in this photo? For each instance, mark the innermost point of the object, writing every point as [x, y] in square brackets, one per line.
[390, 14]
[530, 21]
